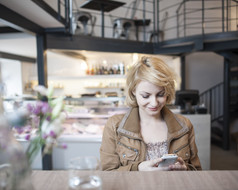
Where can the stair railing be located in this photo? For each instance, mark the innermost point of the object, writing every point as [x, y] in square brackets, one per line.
[213, 101]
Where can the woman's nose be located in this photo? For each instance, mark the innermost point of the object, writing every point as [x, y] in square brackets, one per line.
[154, 101]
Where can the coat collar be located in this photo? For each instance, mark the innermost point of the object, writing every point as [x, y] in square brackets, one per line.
[175, 126]
[130, 124]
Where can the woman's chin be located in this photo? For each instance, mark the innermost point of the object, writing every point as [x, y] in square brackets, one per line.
[152, 112]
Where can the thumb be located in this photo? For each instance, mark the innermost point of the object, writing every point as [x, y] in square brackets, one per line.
[155, 161]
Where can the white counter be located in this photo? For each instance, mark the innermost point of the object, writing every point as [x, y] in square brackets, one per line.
[202, 128]
[77, 145]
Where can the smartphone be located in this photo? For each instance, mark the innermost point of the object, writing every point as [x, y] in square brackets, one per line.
[168, 159]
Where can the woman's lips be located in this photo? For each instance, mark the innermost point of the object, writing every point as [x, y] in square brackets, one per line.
[153, 109]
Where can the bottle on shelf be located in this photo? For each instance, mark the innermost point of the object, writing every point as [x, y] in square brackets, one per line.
[122, 68]
[105, 68]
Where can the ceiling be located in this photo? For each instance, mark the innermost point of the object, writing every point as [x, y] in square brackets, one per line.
[13, 42]
[33, 12]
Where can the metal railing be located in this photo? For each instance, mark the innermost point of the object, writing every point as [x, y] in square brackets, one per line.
[168, 19]
[195, 17]
[213, 100]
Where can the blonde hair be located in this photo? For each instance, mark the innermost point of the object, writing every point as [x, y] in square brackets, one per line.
[153, 70]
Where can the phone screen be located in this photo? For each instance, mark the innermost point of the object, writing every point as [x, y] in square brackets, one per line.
[168, 161]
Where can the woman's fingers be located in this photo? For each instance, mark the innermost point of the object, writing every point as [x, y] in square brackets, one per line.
[179, 165]
[180, 160]
[152, 165]
[156, 162]
[149, 165]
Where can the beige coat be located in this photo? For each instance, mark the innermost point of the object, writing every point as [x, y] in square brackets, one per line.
[123, 147]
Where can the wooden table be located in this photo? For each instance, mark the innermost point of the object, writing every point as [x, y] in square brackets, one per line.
[174, 180]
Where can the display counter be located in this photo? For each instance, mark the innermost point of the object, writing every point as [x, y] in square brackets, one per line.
[77, 145]
[88, 144]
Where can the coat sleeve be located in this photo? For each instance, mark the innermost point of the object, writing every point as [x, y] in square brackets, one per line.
[194, 162]
[109, 157]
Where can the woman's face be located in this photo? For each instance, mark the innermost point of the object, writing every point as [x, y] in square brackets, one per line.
[150, 98]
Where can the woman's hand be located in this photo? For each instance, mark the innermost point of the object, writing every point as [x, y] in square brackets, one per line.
[151, 165]
[179, 165]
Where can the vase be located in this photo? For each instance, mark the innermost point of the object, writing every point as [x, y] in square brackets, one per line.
[15, 171]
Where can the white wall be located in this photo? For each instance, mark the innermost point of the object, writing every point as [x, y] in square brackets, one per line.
[18, 43]
[203, 70]
[11, 77]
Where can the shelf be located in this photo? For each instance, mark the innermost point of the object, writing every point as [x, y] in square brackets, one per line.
[110, 99]
[84, 77]
[102, 87]
[87, 116]
[97, 113]
[81, 138]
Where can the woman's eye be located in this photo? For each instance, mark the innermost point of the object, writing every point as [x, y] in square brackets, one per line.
[145, 96]
[161, 94]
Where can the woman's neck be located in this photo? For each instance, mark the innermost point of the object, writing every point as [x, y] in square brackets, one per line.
[145, 118]
[153, 128]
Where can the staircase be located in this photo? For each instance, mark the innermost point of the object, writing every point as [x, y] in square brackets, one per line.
[222, 103]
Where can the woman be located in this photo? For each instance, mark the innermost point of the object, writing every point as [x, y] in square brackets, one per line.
[138, 139]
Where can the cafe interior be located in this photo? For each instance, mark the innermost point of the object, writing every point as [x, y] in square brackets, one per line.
[77, 53]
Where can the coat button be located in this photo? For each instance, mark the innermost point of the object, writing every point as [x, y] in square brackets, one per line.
[187, 154]
[123, 155]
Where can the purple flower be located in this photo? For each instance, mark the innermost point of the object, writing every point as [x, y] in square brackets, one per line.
[44, 136]
[64, 146]
[48, 118]
[43, 122]
[19, 129]
[52, 134]
[45, 108]
[37, 110]
[29, 107]
[27, 137]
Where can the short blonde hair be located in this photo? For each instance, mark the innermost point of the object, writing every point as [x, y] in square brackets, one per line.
[153, 70]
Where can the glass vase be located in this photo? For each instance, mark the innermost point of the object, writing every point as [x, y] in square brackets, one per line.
[15, 172]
